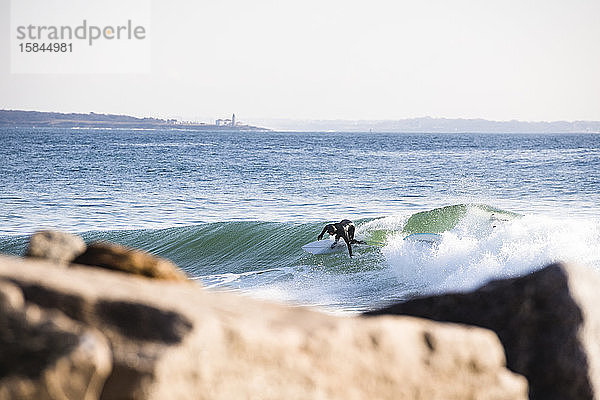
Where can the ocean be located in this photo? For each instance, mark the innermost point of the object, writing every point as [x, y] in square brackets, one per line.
[233, 209]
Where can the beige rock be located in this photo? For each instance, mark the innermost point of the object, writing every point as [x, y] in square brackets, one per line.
[124, 259]
[547, 321]
[60, 247]
[172, 340]
[45, 355]
[11, 297]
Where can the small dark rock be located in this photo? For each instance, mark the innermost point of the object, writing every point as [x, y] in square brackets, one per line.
[120, 258]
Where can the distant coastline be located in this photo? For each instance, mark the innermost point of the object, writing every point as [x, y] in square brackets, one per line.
[21, 118]
[432, 125]
[24, 119]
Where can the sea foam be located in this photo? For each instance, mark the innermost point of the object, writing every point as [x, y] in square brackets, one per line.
[478, 250]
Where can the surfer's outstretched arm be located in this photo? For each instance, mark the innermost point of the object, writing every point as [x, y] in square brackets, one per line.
[322, 233]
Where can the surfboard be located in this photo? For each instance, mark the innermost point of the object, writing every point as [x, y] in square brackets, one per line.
[324, 246]
[426, 237]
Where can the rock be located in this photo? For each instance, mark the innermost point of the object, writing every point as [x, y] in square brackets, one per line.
[45, 355]
[547, 322]
[173, 340]
[11, 297]
[60, 247]
[138, 262]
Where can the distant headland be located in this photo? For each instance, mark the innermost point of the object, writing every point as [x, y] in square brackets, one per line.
[19, 118]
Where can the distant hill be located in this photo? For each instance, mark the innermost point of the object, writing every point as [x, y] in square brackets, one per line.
[19, 118]
[434, 125]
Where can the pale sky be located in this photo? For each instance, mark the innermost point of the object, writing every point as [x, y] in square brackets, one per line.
[307, 59]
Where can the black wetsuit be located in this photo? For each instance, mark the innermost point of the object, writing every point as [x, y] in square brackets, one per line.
[343, 229]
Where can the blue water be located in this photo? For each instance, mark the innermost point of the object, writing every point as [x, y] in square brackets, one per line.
[233, 208]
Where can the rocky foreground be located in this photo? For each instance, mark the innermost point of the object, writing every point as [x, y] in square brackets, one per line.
[87, 321]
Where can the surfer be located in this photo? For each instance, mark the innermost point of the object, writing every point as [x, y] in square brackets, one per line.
[343, 229]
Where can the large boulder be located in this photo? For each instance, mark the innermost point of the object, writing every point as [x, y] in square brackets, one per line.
[132, 261]
[60, 247]
[547, 322]
[173, 340]
[45, 355]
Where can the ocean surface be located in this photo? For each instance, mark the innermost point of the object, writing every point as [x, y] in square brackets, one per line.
[233, 209]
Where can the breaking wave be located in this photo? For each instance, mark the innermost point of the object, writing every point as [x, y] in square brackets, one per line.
[265, 259]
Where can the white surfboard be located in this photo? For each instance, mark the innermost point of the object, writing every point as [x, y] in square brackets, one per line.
[430, 238]
[324, 246]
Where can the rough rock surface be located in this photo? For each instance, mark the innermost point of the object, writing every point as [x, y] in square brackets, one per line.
[547, 321]
[173, 340]
[124, 259]
[45, 355]
[60, 247]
